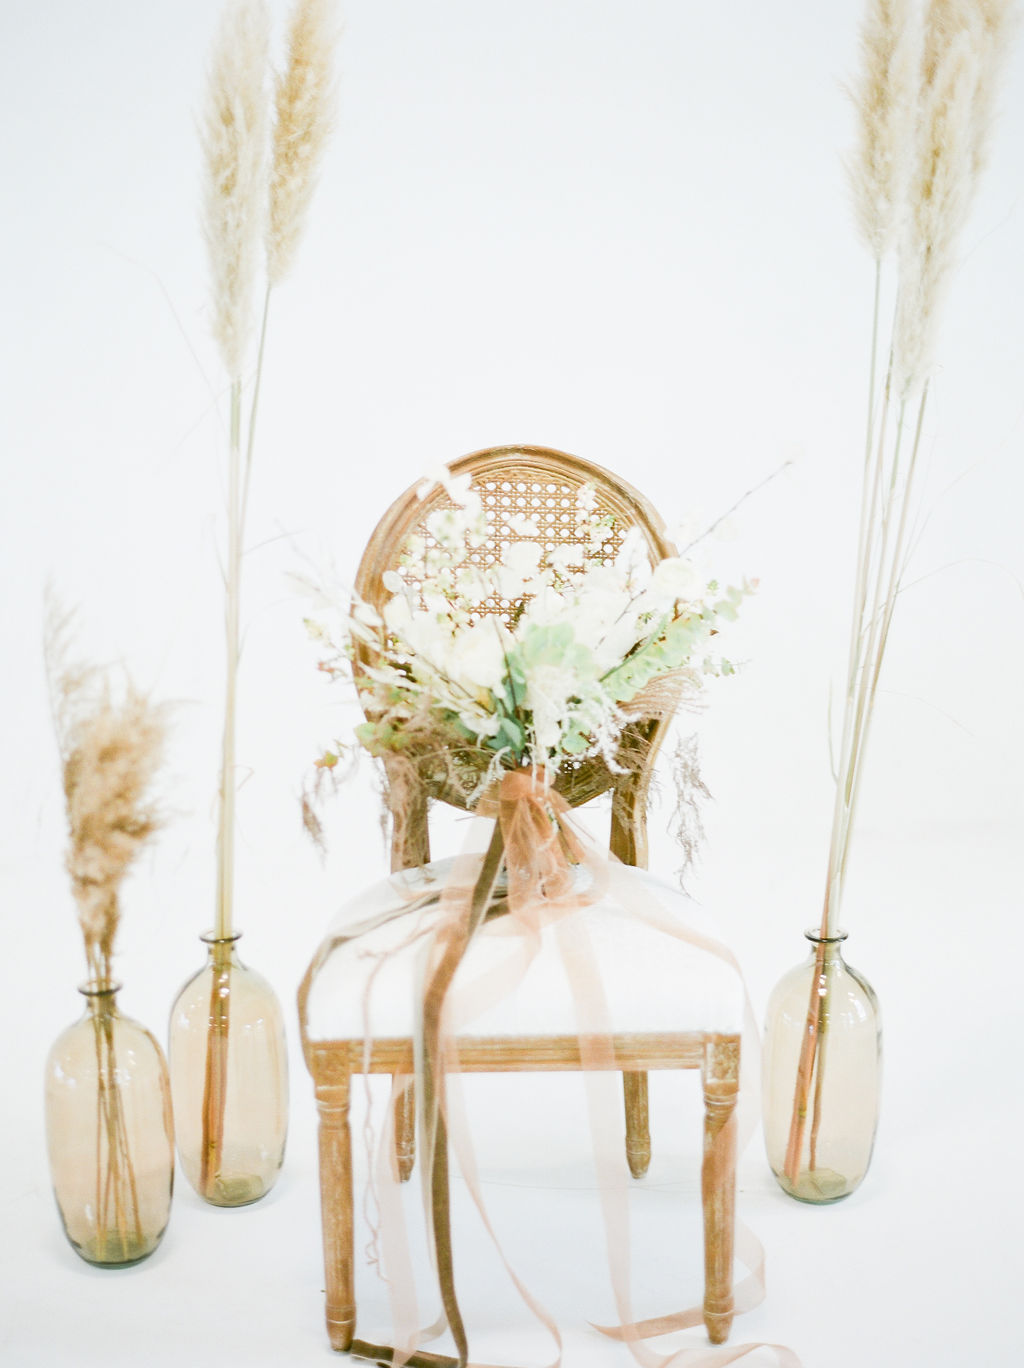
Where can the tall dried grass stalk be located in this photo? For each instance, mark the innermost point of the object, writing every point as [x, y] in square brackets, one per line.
[110, 753]
[234, 142]
[304, 103]
[960, 49]
[252, 197]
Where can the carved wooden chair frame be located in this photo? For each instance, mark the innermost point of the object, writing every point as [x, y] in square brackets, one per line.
[542, 483]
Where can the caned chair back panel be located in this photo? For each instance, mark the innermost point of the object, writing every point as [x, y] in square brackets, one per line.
[543, 485]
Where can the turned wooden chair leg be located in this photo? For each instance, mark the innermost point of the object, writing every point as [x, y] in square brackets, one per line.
[638, 1132]
[718, 1181]
[405, 1132]
[336, 1209]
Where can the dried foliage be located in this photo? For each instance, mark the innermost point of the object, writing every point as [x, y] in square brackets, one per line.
[110, 752]
[327, 775]
[691, 794]
[234, 141]
[305, 99]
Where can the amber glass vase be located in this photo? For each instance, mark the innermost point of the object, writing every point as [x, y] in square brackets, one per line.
[109, 1133]
[229, 1078]
[822, 1075]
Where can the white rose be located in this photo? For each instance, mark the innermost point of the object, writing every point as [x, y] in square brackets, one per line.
[675, 578]
[397, 615]
[476, 657]
[428, 638]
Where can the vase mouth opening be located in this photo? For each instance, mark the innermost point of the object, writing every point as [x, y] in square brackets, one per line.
[813, 934]
[212, 938]
[97, 988]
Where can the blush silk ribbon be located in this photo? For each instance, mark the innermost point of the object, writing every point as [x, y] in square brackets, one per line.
[536, 842]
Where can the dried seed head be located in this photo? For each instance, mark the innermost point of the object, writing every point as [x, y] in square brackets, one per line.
[234, 141]
[886, 98]
[110, 754]
[963, 49]
[305, 100]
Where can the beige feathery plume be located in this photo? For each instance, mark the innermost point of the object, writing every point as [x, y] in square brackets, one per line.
[944, 19]
[940, 197]
[964, 44]
[989, 22]
[993, 22]
[110, 753]
[886, 98]
[305, 100]
[234, 139]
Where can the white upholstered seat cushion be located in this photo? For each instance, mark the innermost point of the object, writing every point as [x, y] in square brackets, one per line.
[652, 981]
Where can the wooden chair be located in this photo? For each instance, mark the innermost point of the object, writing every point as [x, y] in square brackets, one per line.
[543, 484]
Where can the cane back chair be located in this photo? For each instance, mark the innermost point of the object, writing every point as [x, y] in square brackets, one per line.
[695, 999]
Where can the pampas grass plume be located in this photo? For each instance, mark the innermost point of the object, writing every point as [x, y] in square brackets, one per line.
[305, 98]
[885, 97]
[110, 753]
[234, 140]
[963, 49]
[994, 22]
[940, 196]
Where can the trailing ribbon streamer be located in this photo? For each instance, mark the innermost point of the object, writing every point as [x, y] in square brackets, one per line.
[534, 840]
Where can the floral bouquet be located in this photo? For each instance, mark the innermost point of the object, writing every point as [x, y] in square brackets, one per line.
[490, 657]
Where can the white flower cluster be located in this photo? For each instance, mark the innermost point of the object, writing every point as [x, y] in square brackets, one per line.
[590, 627]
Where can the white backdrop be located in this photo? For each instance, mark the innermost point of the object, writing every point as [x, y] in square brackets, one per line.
[621, 230]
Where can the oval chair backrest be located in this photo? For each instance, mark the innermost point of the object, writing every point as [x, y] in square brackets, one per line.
[543, 485]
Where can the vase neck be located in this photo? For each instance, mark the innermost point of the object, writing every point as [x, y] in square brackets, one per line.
[100, 996]
[222, 950]
[829, 947]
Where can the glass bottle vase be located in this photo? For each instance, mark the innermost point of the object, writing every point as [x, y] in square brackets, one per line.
[110, 1133]
[822, 1075]
[229, 1078]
